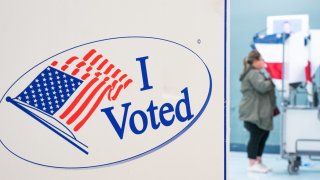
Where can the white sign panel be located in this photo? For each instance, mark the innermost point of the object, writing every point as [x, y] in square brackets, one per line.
[287, 24]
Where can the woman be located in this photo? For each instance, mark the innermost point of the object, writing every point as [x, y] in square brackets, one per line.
[256, 108]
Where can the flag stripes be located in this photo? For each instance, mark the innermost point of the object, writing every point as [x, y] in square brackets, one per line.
[93, 77]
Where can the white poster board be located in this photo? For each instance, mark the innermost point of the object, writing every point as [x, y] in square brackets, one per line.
[288, 24]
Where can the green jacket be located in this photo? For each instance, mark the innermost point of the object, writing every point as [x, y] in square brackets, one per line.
[258, 99]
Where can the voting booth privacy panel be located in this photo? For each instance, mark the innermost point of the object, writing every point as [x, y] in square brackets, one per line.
[108, 89]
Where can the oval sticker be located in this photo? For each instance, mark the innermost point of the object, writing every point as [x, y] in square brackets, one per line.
[104, 102]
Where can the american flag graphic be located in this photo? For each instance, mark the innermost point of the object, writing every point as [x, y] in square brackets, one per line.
[49, 91]
[73, 90]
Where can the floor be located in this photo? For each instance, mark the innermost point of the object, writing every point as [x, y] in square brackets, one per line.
[237, 168]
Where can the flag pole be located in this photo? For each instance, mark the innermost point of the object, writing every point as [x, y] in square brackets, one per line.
[40, 120]
[283, 101]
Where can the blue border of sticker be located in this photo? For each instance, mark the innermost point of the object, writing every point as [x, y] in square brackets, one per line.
[141, 154]
[225, 89]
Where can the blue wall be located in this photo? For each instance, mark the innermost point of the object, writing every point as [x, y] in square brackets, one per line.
[246, 18]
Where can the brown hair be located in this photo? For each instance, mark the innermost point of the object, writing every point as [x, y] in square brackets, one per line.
[253, 55]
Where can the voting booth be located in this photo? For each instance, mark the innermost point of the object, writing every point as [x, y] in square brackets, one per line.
[290, 49]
